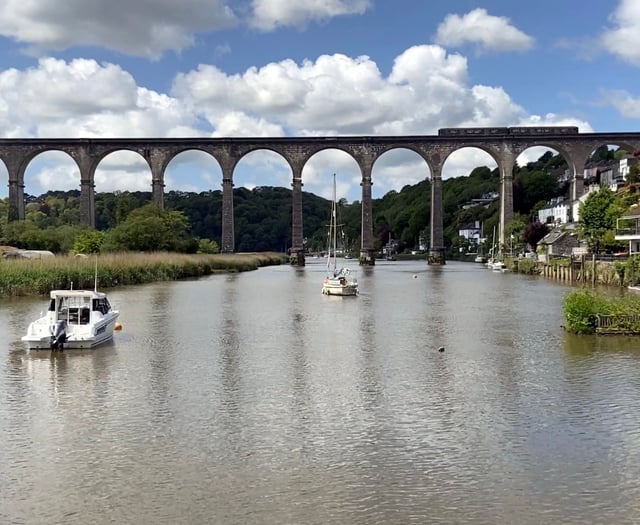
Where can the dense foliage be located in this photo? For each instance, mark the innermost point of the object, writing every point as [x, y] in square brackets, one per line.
[598, 216]
[534, 232]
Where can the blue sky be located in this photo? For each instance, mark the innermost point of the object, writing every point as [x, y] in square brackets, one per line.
[163, 68]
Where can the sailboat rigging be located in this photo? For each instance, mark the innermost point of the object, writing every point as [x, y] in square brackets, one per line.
[338, 281]
[495, 263]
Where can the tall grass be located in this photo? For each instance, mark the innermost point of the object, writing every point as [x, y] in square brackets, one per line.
[38, 277]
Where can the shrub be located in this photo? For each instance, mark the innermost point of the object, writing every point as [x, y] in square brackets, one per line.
[580, 309]
[527, 266]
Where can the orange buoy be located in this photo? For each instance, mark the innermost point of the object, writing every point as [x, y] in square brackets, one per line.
[117, 326]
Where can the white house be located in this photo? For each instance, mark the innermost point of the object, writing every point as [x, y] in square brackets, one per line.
[625, 166]
[557, 211]
[628, 229]
[472, 232]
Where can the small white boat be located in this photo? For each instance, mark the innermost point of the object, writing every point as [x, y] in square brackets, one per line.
[338, 281]
[75, 319]
[494, 263]
[497, 266]
[341, 283]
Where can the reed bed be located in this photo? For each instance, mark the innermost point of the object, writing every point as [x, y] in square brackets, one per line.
[20, 277]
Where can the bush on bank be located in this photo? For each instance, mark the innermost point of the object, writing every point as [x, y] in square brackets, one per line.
[37, 277]
[581, 307]
[526, 266]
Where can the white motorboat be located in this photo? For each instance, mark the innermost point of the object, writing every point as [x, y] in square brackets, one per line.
[339, 281]
[74, 319]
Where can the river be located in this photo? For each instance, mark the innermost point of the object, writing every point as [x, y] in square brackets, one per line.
[251, 398]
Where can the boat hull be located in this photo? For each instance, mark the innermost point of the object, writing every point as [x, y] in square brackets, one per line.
[39, 334]
[335, 287]
[345, 291]
[74, 319]
[496, 266]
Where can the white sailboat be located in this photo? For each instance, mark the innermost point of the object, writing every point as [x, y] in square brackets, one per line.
[495, 263]
[338, 281]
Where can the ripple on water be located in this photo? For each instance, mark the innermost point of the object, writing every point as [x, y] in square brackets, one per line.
[252, 399]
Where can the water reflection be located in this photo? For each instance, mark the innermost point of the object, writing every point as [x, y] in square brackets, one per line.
[252, 398]
[578, 345]
[230, 366]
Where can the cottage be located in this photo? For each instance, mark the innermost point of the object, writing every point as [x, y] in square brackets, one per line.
[472, 232]
[558, 243]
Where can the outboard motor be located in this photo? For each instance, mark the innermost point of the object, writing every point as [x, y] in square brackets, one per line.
[59, 336]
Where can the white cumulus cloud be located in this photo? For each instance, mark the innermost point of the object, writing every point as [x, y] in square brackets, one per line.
[149, 28]
[623, 39]
[135, 27]
[267, 15]
[625, 103]
[487, 32]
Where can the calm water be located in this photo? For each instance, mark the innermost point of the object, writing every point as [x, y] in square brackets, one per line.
[253, 399]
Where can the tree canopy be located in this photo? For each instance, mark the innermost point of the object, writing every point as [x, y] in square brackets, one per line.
[596, 218]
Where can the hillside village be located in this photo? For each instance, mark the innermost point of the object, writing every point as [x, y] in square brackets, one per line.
[562, 217]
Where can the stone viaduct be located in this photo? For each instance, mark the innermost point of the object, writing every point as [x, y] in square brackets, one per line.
[503, 144]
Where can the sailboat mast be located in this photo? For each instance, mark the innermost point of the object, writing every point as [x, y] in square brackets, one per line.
[334, 225]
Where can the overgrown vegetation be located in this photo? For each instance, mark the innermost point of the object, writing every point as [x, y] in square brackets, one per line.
[582, 306]
[36, 277]
[527, 266]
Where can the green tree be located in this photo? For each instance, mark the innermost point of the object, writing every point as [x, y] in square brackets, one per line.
[634, 174]
[608, 243]
[208, 246]
[602, 153]
[530, 188]
[595, 218]
[620, 154]
[513, 235]
[88, 242]
[534, 232]
[150, 228]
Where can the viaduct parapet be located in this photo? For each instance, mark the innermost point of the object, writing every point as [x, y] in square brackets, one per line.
[503, 144]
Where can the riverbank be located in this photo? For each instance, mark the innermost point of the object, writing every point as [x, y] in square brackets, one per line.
[37, 277]
[582, 271]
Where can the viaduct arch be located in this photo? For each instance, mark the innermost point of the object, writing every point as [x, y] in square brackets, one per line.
[504, 144]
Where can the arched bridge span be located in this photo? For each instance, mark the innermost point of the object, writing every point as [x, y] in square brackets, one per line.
[504, 144]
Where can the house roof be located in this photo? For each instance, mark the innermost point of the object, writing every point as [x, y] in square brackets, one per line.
[554, 236]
